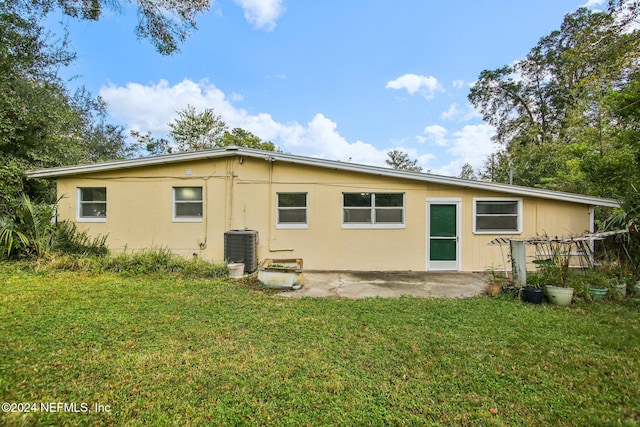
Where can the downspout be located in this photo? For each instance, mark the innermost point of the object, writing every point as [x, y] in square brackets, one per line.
[203, 244]
[271, 209]
[231, 175]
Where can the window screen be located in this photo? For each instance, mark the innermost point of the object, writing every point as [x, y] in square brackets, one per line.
[187, 202]
[373, 209]
[92, 202]
[292, 209]
[497, 215]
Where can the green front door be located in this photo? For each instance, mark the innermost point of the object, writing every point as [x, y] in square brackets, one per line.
[442, 226]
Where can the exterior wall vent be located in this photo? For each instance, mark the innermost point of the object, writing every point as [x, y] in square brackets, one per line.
[242, 246]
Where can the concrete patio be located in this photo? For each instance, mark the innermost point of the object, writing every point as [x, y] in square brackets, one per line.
[358, 284]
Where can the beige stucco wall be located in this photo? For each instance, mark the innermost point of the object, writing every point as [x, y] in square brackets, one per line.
[240, 193]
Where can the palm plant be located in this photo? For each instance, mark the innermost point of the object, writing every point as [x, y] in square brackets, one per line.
[28, 229]
[627, 218]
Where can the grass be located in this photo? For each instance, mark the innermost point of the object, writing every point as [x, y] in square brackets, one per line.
[162, 349]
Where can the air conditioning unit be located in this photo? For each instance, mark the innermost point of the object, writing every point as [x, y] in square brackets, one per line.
[241, 246]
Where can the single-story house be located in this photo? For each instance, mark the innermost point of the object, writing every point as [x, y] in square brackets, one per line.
[334, 215]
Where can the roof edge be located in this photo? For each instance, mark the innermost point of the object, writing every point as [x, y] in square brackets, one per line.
[311, 161]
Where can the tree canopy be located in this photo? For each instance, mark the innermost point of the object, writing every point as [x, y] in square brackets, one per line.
[193, 131]
[166, 23]
[400, 160]
[42, 124]
[467, 172]
[564, 114]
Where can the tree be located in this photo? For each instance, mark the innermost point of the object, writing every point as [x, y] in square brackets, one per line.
[243, 138]
[194, 131]
[467, 172]
[153, 146]
[612, 160]
[400, 160]
[41, 123]
[166, 23]
[550, 109]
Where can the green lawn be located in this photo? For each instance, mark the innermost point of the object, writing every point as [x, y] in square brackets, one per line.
[163, 350]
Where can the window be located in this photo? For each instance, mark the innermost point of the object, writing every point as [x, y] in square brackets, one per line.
[187, 204]
[292, 210]
[496, 216]
[373, 210]
[92, 204]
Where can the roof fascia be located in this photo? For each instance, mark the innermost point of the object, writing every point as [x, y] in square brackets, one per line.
[330, 164]
[440, 179]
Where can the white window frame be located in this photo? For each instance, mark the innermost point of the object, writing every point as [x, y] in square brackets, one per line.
[79, 217]
[498, 199]
[373, 224]
[174, 201]
[292, 225]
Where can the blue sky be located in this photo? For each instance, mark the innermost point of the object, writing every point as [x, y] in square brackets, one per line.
[343, 80]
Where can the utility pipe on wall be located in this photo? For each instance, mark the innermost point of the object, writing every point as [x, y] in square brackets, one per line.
[271, 160]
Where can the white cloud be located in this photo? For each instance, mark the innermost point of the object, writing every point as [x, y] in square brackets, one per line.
[471, 144]
[236, 97]
[436, 134]
[320, 138]
[262, 14]
[454, 112]
[427, 86]
[460, 84]
[150, 107]
[451, 113]
[592, 3]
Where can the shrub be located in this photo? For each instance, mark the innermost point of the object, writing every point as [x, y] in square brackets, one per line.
[153, 261]
[160, 260]
[581, 283]
[74, 262]
[27, 229]
[69, 240]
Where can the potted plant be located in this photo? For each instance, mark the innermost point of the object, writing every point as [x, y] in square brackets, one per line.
[532, 292]
[559, 295]
[615, 280]
[626, 281]
[493, 289]
[497, 284]
[596, 285]
[556, 278]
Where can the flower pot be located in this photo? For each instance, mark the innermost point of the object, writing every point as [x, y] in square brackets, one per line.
[559, 296]
[235, 270]
[621, 288]
[281, 273]
[598, 293]
[493, 289]
[532, 295]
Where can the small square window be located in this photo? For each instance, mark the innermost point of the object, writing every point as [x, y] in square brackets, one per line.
[92, 204]
[292, 210]
[187, 204]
